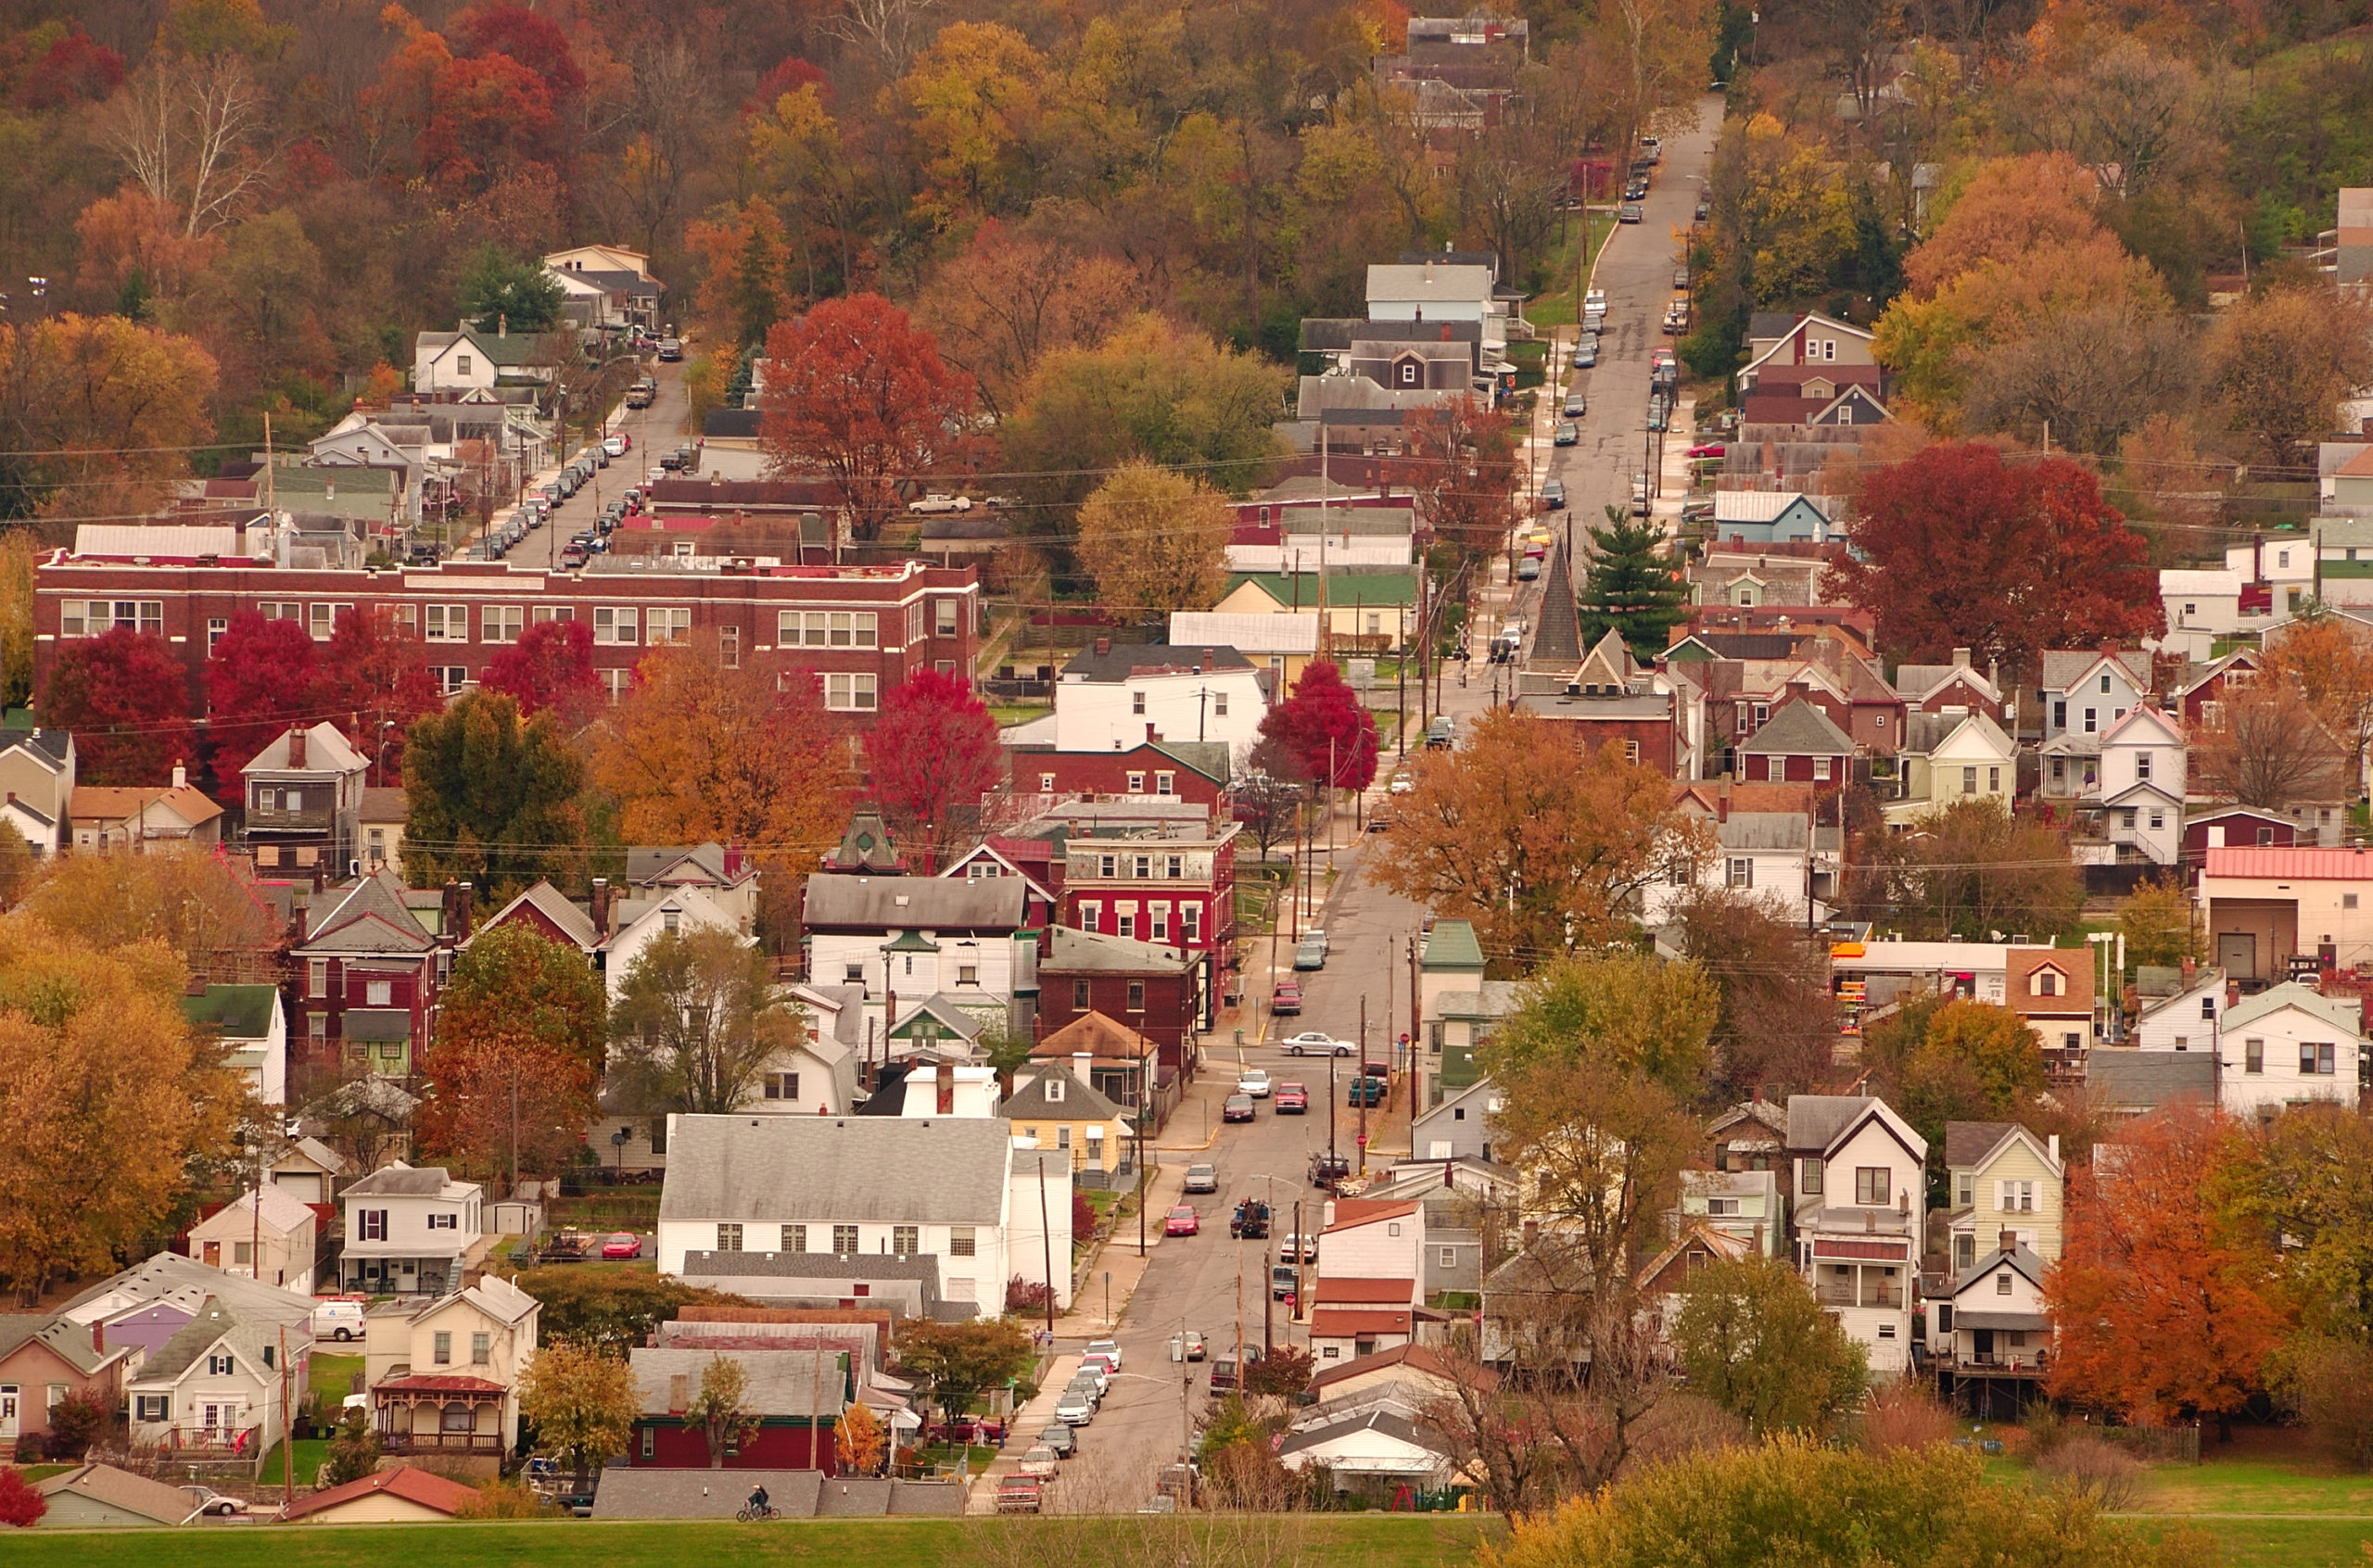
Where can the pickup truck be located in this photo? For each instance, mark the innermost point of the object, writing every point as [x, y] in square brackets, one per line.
[1020, 1494]
[935, 503]
[568, 1246]
[641, 396]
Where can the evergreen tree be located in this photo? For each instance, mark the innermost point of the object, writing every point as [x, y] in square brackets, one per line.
[500, 294]
[492, 797]
[1632, 588]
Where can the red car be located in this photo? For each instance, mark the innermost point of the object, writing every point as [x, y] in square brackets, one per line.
[621, 1244]
[1182, 1221]
[1291, 1099]
[1286, 999]
[1708, 448]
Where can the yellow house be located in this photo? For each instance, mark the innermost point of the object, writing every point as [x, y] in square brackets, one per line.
[1369, 609]
[444, 1374]
[1053, 1102]
[2005, 1181]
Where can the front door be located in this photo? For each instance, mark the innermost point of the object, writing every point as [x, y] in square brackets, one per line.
[9, 1400]
[2237, 954]
[1985, 1338]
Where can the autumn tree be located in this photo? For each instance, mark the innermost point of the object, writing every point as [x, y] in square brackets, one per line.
[1971, 871]
[372, 680]
[1464, 466]
[17, 617]
[109, 1094]
[1956, 548]
[1942, 1059]
[1752, 1339]
[1012, 296]
[2282, 360]
[1776, 1027]
[697, 1019]
[258, 681]
[2267, 747]
[206, 910]
[492, 797]
[2150, 1258]
[2161, 924]
[512, 1074]
[1619, 1012]
[550, 666]
[1325, 730]
[858, 394]
[1631, 588]
[581, 1401]
[973, 99]
[1155, 541]
[21, 1504]
[98, 412]
[720, 1408]
[933, 756]
[2329, 659]
[126, 698]
[1540, 841]
[958, 1361]
[860, 1443]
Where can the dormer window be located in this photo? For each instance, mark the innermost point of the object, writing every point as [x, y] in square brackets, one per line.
[1054, 1091]
[2046, 983]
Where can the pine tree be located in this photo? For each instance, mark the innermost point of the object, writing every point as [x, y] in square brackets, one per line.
[1632, 588]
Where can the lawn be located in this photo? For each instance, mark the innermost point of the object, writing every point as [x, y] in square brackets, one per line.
[2221, 1497]
[310, 1455]
[334, 1377]
[1346, 1541]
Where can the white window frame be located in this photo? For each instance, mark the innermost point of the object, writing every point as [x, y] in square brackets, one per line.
[445, 623]
[502, 623]
[852, 692]
[617, 626]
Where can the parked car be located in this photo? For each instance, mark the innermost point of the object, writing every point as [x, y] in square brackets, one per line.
[1224, 1368]
[937, 502]
[1202, 1179]
[213, 1504]
[1325, 1169]
[1529, 569]
[1553, 493]
[1292, 1099]
[1285, 1000]
[572, 555]
[1040, 1461]
[1094, 1376]
[1308, 955]
[1438, 733]
[1631, 213]
[670, 350]
[1586, 353]
[1701, 212]
[1238, 1108]
[1253, 1081]
[1196, 1348]
[622, 1244]
[1296, 1243]
[615, 445]
[1183, 1221]
[1282, 1281]
[1060, 1438]
[339, 1316]
[1568, 434]
[1016, 1494]
[1107, 1349]
[1576, 404]
[1365, 1091]
[1316, 1043]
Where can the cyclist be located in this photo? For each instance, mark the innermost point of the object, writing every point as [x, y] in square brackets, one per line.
[759, 1508]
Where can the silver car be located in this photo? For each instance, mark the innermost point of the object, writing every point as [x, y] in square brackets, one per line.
[1075, 1408]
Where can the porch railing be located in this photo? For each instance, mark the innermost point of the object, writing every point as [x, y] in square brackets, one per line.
[441, 1442]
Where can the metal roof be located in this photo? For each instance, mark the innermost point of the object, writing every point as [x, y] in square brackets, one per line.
[2278, 863]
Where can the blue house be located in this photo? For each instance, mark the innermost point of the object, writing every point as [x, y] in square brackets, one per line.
[1769, 517]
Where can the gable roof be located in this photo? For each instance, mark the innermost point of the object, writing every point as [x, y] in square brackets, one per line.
[1416, 1359]
[943, 1009]
[2063, 667]
[555, 906]
[123, 1490]
[1346, 588]
[1101, 1037]
[1814, 1121]
[239, 1012]
[372, 916]
[1352, 1212]
[1452, 944]
[854, 1170]
[2137, 1079]
[1080, 1101]
[1926, 733]
[1067, 950]
[213, 1323]
[326, 752]
[47, 747]
[413, 1485]
[2342, 1012]
[2142, 715]
[1286, 631]
[1800, 729]
[1968, 1143]
[276, 1206]
[169, 1276]
[401, 1180]
[1917, 681]
[782, 1383]
[873, 903]
[103, 803]
[1878, 1110]
[2020, 1259]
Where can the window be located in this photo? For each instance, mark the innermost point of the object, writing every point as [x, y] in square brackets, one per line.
[1219, 705]
[961, 1242]
[156, 1406]
[1190, 922]
[795, 1239]
[96, 617]
[481, 1348]
[1136, 702]
[1136, 783]
[728, 1238]
[659, 1136]
[1969, 782]
[615, 623]
[1762, 714]
[1159, 923]
[1993, 780]
[1742, 871]
[2316, 1061]
[215, 627]
[502, 623]
[543, 613]
[444, 1221]
[1872, 1185]
[1810, 1183]
[1820, 765]
[1062, 1135]
[1965, 1190]
[378, 993]
[845, 1239]
[2003, 1282]
[1965, 1257]
[2141, 765]
[220, 1364]
[443, 1352]
[1088, 915]
[2016, 1197]
[452, 678]
[2158, 819]
[2093, 720]
[1138, 998]
[1449, 1257]
[1045, 783]
[1079, 995]
[2047, 982]
[827, 629]
[650, 1443]
[782, 1086]
[905, 1239]
[848, 693]
[664, 625]
[243, 1252]
[317, 977]
[445, 623]
[1165, 783]
[462, 364]
[1128, 923]
[944, 617]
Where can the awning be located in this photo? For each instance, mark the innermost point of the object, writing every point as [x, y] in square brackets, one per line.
[904, 1421]
[2015, 1320]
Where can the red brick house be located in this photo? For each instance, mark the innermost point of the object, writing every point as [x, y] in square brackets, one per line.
[2237, 827]
[1171, 889]
[1931, 689]
[1033, 861]
[1195, 771]
[367, 974]
[1797, 745]
[1158, 991]
[2199, 696]
[551, 915]
[797, 1395]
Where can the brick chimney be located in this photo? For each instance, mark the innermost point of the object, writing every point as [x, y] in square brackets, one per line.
[600, 906]
[462, 912]
[1103, 645]
[296, 747]
[1152, 735]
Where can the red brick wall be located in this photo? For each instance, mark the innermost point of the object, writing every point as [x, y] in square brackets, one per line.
[769, 1448]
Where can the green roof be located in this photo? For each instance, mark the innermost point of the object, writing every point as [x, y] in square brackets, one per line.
[1344, 589]
[237, 1012]
[378, 1025]
[913, 942]
[2348, 569]
[1452, 945]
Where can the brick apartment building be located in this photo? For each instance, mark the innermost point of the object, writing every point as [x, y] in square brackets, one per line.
[1175, 889]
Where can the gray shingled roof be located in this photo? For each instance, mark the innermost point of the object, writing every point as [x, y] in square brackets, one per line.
[1080, 1102]
[121, 1489]
[1069, 952]
[1800, 729]
[1122, 660]
[2147, 1079]
[372, 916]
[2020, 1259]
[213, 1323]
[2064, 666]
[782, 1383]
[170, 1273]
[837, 1169]
[1966, 1142]
[922, 1266]
[928, 904]
[401, 1180]
[1814, 1119]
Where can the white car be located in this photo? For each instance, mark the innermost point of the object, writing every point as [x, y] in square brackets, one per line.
[1315, 1043]
[213, 1504]
[1253, 1081]
[1074, 1409]
[615, 445]
[1040, 1460]
[937, 502]
[1108, 1350]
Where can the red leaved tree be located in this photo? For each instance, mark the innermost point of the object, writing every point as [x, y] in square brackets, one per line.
[932, 754]
[372, 681]
[2164, 1307]
[550, 666]
[258, 681]
[21, 1504]
[126, 698]
[1957, 549]
[1322, 727]
[858, 393]
[1464, 473]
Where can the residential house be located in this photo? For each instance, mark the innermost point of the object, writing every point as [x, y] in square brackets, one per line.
[37, 780]
[2142, 783]
[1775, 340]
[553, 914]
[1369, 1289]
[1054, 1106]
[381, 822]
[1453, 1194]
[1949, 757]
[1743, 579]
[1603, 698]
[1294, 539]
[1375, 1450]
[443, 1375]
[475, 360]
[1116, 694]
[2008, 1187]
[797, 1395]
[949, 1188]
[100, 1497]
[1752, 1136]
[1460, 1127]
[2200, 699]
[641, 921]
[1861, 1174]
[1784, 858]
[253, 1029]
[894, 1287]
[608, 286]
[47, 1359]
[915, 937]
[1432, 291]
[2082, 691]
[1182, 770]
[1285, 642]
[1416, 1374]
[1759, 517]
[2217, 826]
[399, 1495]
[1890, 970]
[1994, 1320]
[1125, 1064]
[144, 1305]
[268, 1233]
[2051, 990]
[726, 876]
[1455, 1025]
[2265, 908]
[2182, 1009]
[1816, 395]
[2204, 608]
[411, 1231]
[308, 1171]
[216, 1385]
[2286, 1047]
[1035, 861]
[1800, 745]
[1932, 688]
[132, 819]
[1745, 1206]
[370, 965]
[1352, 609]
[304, 804]
[1175, 889]
[2128, 1083]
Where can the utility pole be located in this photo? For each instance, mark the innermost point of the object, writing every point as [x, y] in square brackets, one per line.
[1330, 1101]
[1362, 1082]
[1047, 1240]
[1269, 1298]
[1240, 1367]
[287, 1426]
[1298, 1252]
[1141, 1165]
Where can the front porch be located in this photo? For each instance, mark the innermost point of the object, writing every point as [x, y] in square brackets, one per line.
[438, 1415]
[400, 1276]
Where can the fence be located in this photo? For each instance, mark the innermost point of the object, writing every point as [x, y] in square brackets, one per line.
[2169, 1443]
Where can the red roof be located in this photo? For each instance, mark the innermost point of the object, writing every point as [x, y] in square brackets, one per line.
[429, 1384]
[1337, 1322]
[1416, 1358]
[1400, 1293]
[2289, 864]
[413, 1485]
[1367, 1211]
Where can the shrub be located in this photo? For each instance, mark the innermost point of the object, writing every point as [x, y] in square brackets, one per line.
[1083, 1216]
[2109, 1477]
[354, 1453]
[1284, 1370]
[20, 1504]
[2046, 1431]
[1026, 1296]
[505, 1500]
[75, 1423]
[1904, 1415]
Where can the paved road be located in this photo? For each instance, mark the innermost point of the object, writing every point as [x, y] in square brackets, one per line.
[655, 429]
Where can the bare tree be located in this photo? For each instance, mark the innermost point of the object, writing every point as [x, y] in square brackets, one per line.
[894, 30]
[187, 131]
[2269, 748]
[2091, 378]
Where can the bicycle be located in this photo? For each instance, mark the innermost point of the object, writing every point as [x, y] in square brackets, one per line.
[749, 1515]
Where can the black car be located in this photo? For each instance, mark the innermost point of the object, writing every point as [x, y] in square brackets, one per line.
[1062, 1439]
[1553, 493]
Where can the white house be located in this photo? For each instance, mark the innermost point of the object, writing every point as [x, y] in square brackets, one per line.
[267, 1234]
[1746, 1204]
[2142, 788]
[444, 1374]
[472, 361]
[2008, 1186]
[1438, 291]
[1861, 1182]
[2080, 694]
[2188, 1018]
[899, 940]
[1948, 756]
[1369, 1278]
[1115, 695]
[216, 1385]
[1995, 1316]
[411, 1231]
[1782, 857]
[644, 921]
[2287, 1046]
[952, 1188]
[253, 1028]
[2202, 607]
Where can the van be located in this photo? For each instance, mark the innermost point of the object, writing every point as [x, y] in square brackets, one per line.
[338, 1317]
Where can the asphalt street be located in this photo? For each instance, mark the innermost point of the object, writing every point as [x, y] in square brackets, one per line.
[654, 430]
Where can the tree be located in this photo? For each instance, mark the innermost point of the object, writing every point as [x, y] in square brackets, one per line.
[973, 98]
[933, 756]
[111, 408]
[126, 699]
[2331, 661]
[76, 1422]
[21, 1504]
[206, 911]
[697, 1018]
[859, 1442]
[1752, 1339]
[502, 295]
[858, 394]
[1539, 842]
[1776, 1027]
[1955, 548]
[1155, 541]
[1631, 588]
[258, 681]
[2305, 1193]
[1269, 802]
[1011, 296]
[492, 797]
[1464, 462]
[1971, 871]
[187, 133]
[2150, 1258]
[581, 1401]
[1951, 1060]
[2281, 361]
[1325, 730]
[958, 1361]
[2088, 378]
[1796, 1501]
[1619, 1012]
[372, 681]
[550, 666]
[353, 1451]
[109, 1096]
[721, 1409]
[2268, 747]
[521, 1029]
[17, 617]
[2161, 924]
[609, 1312]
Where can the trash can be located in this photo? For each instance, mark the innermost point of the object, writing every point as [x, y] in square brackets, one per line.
[1177, 1348]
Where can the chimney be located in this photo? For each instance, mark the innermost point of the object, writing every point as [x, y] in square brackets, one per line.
[462, 912]
[1103, 645]
[181, 778]
[99, 1337]
[1151, 735]
[1722, 800]
[1081, 1062]
[2054, 1144]
[503, 324]
[679, 1392]
[1960, 658]
[296, 747]
[600, 906]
